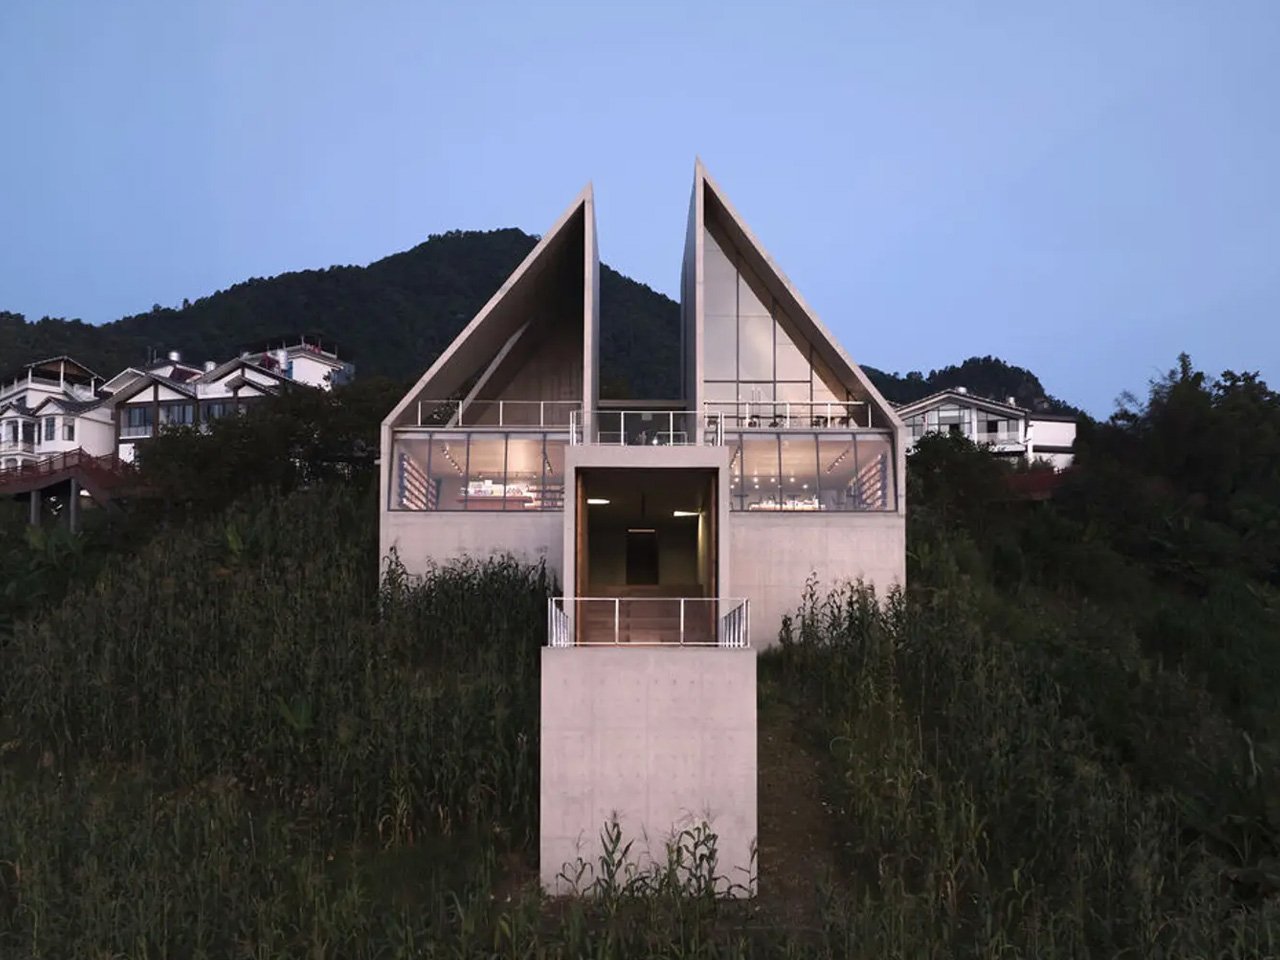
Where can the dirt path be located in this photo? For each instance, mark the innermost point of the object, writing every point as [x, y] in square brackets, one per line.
[795, 826]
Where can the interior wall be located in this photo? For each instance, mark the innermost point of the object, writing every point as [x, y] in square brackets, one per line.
[678, 553]
[704, 553]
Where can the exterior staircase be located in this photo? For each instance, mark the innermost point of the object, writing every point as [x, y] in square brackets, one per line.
[647, 614]
[101, 477]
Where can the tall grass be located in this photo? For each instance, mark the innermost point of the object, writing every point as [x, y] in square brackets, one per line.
[986, 807]
[239, 743]
[235, 724]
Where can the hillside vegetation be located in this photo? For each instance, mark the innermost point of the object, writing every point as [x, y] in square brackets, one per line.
[1059, 741]
[392, 316]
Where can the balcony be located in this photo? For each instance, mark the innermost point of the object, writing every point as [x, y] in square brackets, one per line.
[497, 414]
[786, 415]
[648, 621]
[640, 428]
[17, 446]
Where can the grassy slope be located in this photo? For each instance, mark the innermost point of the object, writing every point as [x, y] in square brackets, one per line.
[236, 746]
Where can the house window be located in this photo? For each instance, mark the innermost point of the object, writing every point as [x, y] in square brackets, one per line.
[50, 428]
[176, 414]
[12, 431]
[69, 428]
[216, 409]
[137, 422]
[28, 433]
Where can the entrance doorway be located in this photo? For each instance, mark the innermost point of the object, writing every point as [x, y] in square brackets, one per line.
[642, 557]
[646, 532]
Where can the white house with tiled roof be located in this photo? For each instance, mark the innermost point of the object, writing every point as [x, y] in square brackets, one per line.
[1002, 427]
[176, 395]
[58, 405]
[49, 407]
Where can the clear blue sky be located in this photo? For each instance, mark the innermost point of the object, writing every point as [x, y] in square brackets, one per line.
[1084, 188]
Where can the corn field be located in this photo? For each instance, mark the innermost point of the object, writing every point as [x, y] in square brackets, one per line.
[237, 742]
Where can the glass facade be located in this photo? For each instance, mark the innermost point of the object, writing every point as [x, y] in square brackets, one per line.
[757, 370]
[478, 470]
[811, 471]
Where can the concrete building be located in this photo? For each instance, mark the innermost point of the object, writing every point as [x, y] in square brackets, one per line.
[682, 529]
[1006, 429]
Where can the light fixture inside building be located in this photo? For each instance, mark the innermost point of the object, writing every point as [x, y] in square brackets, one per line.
[641, 530]
[597, 501]
[684, 513]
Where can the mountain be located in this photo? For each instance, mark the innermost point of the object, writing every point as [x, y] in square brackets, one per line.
[390, 317]
[985, 376]
[387, 318]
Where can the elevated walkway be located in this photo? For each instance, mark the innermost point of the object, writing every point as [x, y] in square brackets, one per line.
[103, 478]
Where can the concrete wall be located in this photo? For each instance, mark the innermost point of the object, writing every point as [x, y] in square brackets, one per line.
[420, 537]
[661, 738]
[774, 554]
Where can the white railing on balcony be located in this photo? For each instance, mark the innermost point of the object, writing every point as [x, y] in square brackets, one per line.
[639, 428]
[778, 414]
[559, 627]
[648, 621]
[511, 414]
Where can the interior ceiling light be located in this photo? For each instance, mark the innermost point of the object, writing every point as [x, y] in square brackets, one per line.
[684, 513]
[597, 501]
[641, 530]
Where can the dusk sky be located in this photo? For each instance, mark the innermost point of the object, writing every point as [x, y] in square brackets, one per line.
[1081, 188]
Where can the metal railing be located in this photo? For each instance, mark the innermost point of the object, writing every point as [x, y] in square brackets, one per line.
[639, 428]
[497, 413]
[779, 414]
[648, 621]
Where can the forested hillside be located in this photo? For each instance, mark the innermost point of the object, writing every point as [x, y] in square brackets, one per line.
[388, 317]
[392, 316]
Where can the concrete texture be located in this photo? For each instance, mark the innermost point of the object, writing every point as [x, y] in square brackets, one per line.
[420, 537]
[775, 553]
[660, 738]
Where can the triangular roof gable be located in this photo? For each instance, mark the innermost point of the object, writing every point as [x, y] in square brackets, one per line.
[769, 273]
[71, 365]
[132, 373]
[59, 402]
[948, 396]
[475, 350]
[234, 366]
[147, 380]
[68, 406]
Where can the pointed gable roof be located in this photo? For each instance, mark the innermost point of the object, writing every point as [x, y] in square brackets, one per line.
[710, 203]
[951, 395]
[480, 345]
